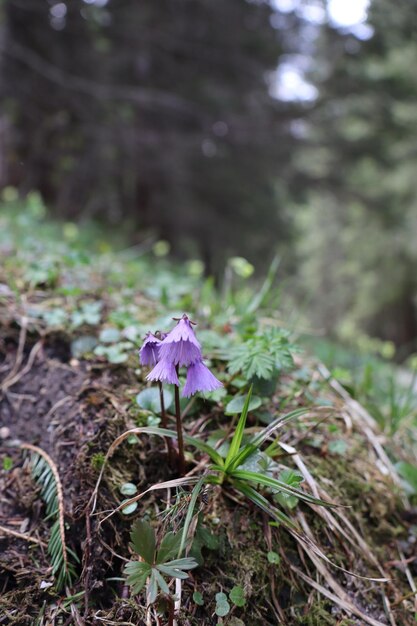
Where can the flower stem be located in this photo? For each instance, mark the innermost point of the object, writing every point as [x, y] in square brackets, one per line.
[164, 423]
[181, 459]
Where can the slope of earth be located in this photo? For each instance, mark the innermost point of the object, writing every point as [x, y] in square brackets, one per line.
[70, 327]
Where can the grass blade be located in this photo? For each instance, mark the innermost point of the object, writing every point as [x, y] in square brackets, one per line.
[237, 437]
[274, 483]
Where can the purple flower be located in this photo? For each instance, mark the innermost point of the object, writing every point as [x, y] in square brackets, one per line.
[199, 378]
[180, 346]
[149, 352]
[165, 372]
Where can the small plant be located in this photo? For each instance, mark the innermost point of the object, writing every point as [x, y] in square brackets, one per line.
[169, 352]
[262, 355]
[157, 563]
[46, 475]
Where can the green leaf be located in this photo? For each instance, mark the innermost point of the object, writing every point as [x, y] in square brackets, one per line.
[109, 335]
[408, 472]
[273, 557]
[236, 405]
[237, 596]
[185, 563]
[338, 447]
[152, 588]
[149, 399]
[173, 572]
[169, 547]
[128, 489]
[137, 574]
[278, 485]
[198, 598]
[161, 582]
[143, 540]
[130, 508]
[238, 435]
[222, 605]
[265, 505]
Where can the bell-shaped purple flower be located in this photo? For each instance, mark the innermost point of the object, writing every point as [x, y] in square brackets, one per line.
[199, 378]
[180, 346]
[165, 372]
[149, 352]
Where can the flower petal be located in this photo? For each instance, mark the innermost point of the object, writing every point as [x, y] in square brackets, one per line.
[181, 346]
[165, 372]
[199, 378]
[149, 352]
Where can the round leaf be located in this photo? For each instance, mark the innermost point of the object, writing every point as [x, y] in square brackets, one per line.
[198, 598]
[273, 557]
[128, 489]
[109, 335]
[237, 596]
[149, 399]
[130, 508]
[222, 605]
[236, 405]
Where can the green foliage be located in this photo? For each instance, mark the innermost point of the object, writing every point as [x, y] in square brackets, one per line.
[232, 471]
[158, 563]
[63, 569]
[222, 606]
[408, 472]
[262, 355]
[237, 596]
[149, 399]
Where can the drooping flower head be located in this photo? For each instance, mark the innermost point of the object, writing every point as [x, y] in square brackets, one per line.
[164, 372]
[199, 378]
[180, 346]
[149, 352]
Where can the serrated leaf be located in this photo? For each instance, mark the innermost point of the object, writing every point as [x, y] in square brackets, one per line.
[152, 588]
[143, 540]
[161, 582]
[137, 574]
[172, 571]
[184, 563]
[169, 547]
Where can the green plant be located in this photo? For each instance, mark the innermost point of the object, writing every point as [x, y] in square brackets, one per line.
[46, 475]
[262, 355]
[246, 468]
[157, 563]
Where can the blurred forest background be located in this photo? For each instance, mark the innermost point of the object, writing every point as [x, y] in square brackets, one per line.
[230, 128]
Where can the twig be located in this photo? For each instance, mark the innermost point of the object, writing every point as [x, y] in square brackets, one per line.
[14, 533]
[12, 381]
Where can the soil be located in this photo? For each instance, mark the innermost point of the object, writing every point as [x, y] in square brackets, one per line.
[73, 410]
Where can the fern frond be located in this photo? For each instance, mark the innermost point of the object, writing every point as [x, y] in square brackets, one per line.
[45, 472]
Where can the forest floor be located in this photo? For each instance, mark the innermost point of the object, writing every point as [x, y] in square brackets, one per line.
[71, 385]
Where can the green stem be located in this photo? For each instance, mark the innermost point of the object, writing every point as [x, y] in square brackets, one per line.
[181, 459]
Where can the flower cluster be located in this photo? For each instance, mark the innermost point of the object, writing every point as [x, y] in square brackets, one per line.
[179, 348]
